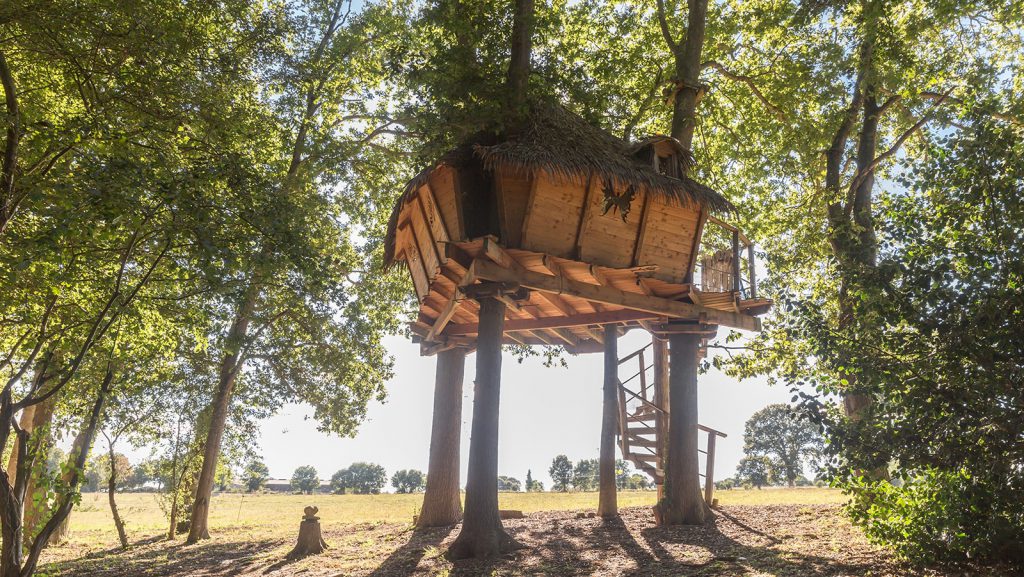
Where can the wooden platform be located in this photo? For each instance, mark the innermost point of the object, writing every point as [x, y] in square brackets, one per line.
[561, 301]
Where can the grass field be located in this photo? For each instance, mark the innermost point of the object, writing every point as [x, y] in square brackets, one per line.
[93, 527]
[766, 533]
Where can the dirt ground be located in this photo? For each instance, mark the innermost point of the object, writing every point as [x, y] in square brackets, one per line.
[773, 540]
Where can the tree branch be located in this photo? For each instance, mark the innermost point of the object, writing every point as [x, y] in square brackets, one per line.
[663, 22]
[896, 145]
[10, 160]
[718, 66]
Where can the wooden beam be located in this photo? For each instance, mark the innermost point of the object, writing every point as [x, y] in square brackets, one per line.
[584, 216]
[565, 335]
[441, 258]
[449, 308]
[618, 316]
[599, 276]
[557, 302]
[642, 230]
[656, 305]
[592, 333]
[495, 252]
[530, 199]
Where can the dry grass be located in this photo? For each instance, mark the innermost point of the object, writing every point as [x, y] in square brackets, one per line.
[92, 525]
[751, 540]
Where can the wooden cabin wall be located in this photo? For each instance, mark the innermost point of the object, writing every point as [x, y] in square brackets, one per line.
[553, 216]
[474, 188]
[512, 189]
[669, 236]
[442, 185]
[607, 239]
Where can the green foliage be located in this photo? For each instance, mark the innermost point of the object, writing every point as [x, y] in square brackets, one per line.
[585, 475]
[937, 349]
[756, 470]
[509, 484]
[787, 438]
[623, 474]
[305, 479]
[359, 478]
[408, 481]
[255, 475]
[561, 472]
[939, 516]
[639, 482]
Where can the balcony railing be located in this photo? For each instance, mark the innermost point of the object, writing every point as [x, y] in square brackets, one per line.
[726, 261]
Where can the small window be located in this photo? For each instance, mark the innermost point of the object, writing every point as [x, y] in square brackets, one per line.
[668, 166]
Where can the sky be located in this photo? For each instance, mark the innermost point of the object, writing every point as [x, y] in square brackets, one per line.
[544, 412]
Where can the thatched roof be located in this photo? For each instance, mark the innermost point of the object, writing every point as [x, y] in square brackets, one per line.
[564, 145]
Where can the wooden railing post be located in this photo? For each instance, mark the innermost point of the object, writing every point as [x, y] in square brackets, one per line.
[623, 424]
[643, 377]
[709, 470]
[750, 271]
[736, 260]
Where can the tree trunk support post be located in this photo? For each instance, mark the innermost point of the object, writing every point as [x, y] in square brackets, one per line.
[607, 501]
[442, 505]
[659, 348]
[683, 503]
[482, 533]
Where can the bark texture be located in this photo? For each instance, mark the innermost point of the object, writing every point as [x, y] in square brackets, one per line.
[482, 533]
[687, 60]
[310, 541]
[442, 505]
[607, 505]
[229, 368]
[683, 503]
[519, 62]
[111, 491]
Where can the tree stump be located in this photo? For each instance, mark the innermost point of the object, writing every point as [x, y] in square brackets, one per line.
[310, 541]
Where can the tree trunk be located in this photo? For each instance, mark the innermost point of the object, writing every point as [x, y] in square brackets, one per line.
[111, 489]
[683, 503]
[229, 368]
[60, 533]
[607, 506]
[661, 398]
[34, 506]
[83, 442]
[442, 505]
[482, 533]
[25, 422]
[687, 56]
[519, 62]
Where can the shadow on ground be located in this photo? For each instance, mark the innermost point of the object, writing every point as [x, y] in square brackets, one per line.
[779, 541]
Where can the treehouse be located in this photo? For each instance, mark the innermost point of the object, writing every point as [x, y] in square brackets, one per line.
[562, 234]
[590, 229]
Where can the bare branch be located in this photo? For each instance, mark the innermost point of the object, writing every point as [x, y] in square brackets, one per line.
[644, 106]
[718, 66]
[859, 178]
[663, 22]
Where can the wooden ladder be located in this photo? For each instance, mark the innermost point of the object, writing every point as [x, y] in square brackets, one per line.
[643, 424]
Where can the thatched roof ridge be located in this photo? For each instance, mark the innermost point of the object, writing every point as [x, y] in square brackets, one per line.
[561, 143]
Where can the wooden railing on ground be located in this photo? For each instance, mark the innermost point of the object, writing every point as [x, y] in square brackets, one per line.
[643, 425]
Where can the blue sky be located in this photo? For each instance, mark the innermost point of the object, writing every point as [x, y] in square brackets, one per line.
[544, 412]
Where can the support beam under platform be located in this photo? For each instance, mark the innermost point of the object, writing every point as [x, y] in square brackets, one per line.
[488, 270]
